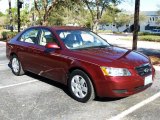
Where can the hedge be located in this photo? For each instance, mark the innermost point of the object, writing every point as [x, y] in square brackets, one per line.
[8, 35]
[147, 33]
[152, 38]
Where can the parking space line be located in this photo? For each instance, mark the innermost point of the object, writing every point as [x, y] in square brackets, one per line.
[135, 107]
[18, 84]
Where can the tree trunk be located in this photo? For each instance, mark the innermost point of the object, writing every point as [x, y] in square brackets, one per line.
[10, 16]
[95, 25]
[136, 24]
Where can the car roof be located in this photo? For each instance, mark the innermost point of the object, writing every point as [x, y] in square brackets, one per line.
[61, 27]
[67, 28]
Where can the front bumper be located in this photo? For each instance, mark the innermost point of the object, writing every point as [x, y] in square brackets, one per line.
[122, 86]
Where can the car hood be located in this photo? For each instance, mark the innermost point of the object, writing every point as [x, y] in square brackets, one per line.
[120, 57]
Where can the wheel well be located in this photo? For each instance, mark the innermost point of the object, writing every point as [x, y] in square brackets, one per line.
[78, 68]
[12, 54]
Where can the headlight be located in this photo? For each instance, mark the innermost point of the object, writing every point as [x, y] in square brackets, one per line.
[110, 71]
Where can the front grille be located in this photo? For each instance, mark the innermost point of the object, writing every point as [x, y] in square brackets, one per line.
[144, 69]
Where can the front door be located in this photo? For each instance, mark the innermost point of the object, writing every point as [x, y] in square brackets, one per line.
[52, 63]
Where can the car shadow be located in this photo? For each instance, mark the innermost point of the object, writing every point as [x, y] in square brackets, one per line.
[64, 87]
[107, 99]
[48, 81]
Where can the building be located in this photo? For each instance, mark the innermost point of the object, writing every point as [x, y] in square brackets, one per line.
[145, 26]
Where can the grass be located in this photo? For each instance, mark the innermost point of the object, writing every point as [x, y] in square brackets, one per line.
[105, 31]
[153, 38]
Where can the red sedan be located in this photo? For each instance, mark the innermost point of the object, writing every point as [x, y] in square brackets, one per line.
[80, 59]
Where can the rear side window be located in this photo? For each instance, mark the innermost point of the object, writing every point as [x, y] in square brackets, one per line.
[30, 36]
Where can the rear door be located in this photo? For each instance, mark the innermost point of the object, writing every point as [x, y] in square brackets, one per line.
[27, 51]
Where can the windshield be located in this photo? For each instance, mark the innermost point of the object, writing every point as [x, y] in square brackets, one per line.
[79, 39]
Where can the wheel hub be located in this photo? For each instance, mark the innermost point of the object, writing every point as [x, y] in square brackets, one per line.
[79, 86]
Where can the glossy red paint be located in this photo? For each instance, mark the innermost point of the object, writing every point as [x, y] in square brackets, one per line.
[59, 62]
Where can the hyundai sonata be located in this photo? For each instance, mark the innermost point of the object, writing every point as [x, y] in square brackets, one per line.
[80, 59]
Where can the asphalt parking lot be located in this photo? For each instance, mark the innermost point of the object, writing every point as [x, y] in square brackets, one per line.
[30, 97]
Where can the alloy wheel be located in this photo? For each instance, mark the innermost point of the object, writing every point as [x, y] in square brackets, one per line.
[79, 86]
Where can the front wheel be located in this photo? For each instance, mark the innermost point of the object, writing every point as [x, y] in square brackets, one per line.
[16, 66]
[80, 86]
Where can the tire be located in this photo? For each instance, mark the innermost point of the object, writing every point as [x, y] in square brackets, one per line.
[16, 66]
[80, 86]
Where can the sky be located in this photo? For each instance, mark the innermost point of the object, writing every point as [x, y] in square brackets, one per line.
[145, 5]
[128, 5]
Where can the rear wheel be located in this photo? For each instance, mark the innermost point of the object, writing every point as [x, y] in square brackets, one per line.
[80, 86]
[16, 66]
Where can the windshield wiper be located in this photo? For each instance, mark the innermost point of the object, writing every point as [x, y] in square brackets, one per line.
[101, 46]
[89, 47]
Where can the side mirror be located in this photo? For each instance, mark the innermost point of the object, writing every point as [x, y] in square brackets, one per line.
[52, 45]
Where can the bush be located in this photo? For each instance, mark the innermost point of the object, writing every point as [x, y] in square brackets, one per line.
[8, 35]
[4, 35]
[152, 38]
[143, 33]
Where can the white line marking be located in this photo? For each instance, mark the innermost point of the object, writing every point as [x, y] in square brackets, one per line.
[135, 107]
[18, 84]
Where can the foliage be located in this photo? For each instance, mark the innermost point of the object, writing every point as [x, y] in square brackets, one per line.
[14, 16]
[158, 21]
[97, 8]
[1, 14]
[7, 35]
[25, 17]
[122, 19]
[44, 9]
[147, 33]
[88, 13]
[153, 38]
[110, 15]
[3, 20]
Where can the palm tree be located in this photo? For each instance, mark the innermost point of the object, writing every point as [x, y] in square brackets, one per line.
[136, 24]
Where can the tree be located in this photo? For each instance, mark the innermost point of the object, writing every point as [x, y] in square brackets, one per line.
[14, 16]
[69, 12]
[44, 9]
[10, 16]
[136, 24]
[122, 19]
[2, 21]
[97, 8]
[158, 20]
[1, 14]
[110, 15]
[25, 18]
